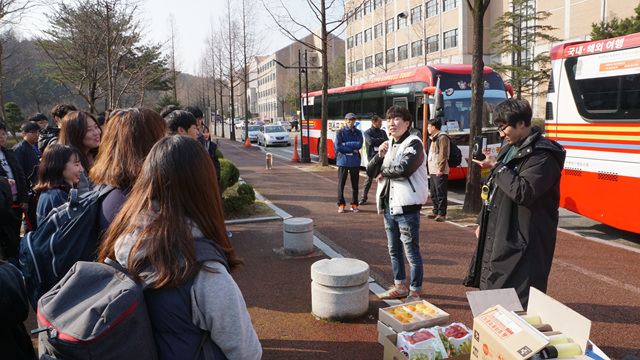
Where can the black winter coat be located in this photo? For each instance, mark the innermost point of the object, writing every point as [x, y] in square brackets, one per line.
[21, 182]
[28, 160]
[523, 217]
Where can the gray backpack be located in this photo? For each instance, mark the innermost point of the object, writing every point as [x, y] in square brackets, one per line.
[97, 311]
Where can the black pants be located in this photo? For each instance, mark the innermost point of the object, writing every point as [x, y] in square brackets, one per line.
[438, 190]
[367, 186]
[342, 179]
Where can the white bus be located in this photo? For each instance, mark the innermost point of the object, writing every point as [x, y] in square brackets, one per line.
[593, 110]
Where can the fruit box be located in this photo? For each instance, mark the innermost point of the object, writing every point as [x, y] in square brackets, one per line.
[414, 315]
[499, 334]
[391, 352]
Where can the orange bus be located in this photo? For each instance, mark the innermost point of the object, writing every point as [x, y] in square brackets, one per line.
[405, 88]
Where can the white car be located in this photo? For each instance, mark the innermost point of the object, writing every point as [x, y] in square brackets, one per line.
[273, 135]
[253, 133]
[239, 123]
[285, 124]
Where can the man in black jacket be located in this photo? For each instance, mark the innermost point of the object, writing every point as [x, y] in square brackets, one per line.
[28, 157]
[524, 195]
[373, 138]
[18, 194]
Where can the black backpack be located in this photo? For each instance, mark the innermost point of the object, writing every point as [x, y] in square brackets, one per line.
[455, 155]
[97, 311]
[68, 234]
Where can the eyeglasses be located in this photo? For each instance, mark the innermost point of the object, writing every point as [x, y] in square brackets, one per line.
[502, 129]
[3, 135]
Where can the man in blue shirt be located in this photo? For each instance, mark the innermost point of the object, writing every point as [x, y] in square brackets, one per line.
[347, 145]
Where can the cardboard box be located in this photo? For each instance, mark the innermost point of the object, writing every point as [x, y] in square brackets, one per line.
[499, 334]
[383, 331]
[397, 326]
[391, 352]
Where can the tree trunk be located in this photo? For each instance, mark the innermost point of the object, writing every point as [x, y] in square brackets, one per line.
[472, 200]
[322, 151]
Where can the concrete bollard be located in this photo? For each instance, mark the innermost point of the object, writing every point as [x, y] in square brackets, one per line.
[298, 236]
[339, 288]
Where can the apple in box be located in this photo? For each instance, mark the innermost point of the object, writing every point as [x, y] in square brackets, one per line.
[421, 339]
[456, 339]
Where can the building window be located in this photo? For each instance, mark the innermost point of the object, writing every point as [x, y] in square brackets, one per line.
[387, 1]
[402, 22]
[432, 8]
[416, 48]
[389, 26]
[350, 68]
[368, 62]
[391, 56]
[432, 44]
[450, 39]
[416, 14]
[377, 4]
[403, 52]
[350, 42]
[367, 35]
[358, 65]
[358, 14]
[449, 5]
[358, 39]
[367, 7]
[377, 31]
[379, 59]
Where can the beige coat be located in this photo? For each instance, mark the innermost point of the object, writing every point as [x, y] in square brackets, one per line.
[439, 154]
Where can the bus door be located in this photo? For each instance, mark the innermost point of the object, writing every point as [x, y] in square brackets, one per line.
[419, 113]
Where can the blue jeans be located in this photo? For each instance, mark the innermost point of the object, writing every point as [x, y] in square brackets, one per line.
[403, 233]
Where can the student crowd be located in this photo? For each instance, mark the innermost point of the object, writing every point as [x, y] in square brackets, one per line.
[162, 170]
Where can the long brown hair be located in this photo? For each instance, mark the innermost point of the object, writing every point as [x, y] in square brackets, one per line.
[74, 127]
[174, 186]
[128, 137]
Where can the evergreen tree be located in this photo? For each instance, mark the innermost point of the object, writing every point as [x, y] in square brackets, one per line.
[616, 27]
[515, 33]
[14, 117]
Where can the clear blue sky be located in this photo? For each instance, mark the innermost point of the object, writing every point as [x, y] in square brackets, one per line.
[193, 20]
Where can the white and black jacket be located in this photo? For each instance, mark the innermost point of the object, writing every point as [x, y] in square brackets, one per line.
[404, 174]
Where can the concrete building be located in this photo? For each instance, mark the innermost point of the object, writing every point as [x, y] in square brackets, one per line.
[386, 35]
[273, 79]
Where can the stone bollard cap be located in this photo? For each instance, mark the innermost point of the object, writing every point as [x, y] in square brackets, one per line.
[297, 225]
[340, 272]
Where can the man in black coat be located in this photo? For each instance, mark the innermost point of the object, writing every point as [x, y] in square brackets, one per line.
[28, 157]
[373, 138]
[522, 205]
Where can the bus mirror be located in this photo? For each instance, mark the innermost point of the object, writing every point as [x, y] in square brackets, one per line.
[510, 90]
[439, 106]
[429, 90]
[449, 91]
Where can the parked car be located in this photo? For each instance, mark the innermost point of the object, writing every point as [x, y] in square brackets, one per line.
[273, 135]
[239, 123]
[259, 123]
[253, 133]
[285, 124]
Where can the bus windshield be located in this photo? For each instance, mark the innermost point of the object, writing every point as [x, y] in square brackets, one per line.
[458, 107]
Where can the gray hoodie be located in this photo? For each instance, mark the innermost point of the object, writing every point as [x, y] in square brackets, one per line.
[217, 304]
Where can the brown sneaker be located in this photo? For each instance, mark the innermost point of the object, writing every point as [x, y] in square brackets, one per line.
[432, 215]
[441, 218]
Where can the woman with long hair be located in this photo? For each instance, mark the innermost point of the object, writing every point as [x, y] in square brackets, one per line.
[60, 171]
[128, 137]
[81, 130]
[154, 235]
